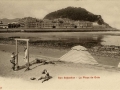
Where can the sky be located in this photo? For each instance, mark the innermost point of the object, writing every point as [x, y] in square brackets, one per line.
[108, 9]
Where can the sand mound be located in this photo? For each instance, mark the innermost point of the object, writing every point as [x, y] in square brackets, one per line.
[78, 54]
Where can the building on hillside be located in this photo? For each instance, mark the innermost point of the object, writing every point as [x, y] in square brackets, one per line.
[29, 22]
[68, 25]
[89, 24]
[56, 23]
[46, 24]
[13, 25]
[83, 24]
[64, 23]
[3, 26]
[96, 25]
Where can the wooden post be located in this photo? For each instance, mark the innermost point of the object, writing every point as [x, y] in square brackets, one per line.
[27, 52]
[28, 65]
[16, 66]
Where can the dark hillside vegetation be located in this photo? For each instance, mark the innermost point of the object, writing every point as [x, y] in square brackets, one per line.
[75, 13]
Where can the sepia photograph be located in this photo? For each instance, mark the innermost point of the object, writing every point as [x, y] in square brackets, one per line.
[59, 44]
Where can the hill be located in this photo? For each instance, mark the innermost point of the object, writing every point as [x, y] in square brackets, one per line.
[75, 13]
[6, 21]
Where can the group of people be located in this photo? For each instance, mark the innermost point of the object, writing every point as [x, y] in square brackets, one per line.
[13, 58]
[46, 76]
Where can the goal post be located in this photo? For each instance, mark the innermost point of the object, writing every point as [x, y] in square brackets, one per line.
[27, 40]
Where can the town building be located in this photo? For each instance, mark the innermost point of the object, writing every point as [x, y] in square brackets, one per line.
[83, 24]
[30, 22]
[46, 23]
[3, 26]
[96, 25]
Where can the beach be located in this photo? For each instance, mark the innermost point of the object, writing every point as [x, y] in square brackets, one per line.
[65, 75]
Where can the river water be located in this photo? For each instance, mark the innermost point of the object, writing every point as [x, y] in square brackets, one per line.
[71, 38]
[111, 40]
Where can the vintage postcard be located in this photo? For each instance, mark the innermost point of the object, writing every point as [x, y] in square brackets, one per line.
[59, 44]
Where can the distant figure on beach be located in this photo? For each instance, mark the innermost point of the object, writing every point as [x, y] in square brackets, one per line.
[46, 77]
[13, 60]
[25, 57]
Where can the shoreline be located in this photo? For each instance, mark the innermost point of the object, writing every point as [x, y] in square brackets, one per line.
[57, 30]
[56, 53]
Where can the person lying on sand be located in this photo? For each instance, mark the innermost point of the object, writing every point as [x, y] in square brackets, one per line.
[13, 60]
[46, 77]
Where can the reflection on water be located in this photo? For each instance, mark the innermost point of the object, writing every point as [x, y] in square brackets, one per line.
[87, 40]
[68, 42]
[65, 39]
[111, 40]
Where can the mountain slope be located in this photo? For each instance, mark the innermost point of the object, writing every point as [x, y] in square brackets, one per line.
[75, 14]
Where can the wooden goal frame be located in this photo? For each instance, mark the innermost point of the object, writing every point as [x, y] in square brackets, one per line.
[27, 40]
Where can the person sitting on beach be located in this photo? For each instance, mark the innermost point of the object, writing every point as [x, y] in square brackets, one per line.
[13, 60]
[46, 77]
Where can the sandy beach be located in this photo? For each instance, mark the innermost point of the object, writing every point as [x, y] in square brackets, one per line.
[66, 75]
